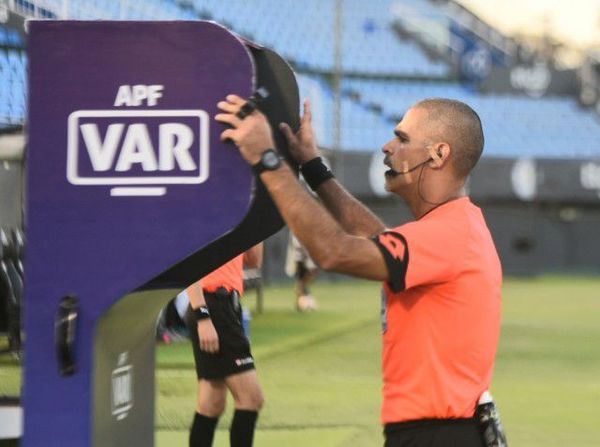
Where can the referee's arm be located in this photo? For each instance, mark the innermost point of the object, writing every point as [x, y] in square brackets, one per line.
[328, 244]
[352, 215]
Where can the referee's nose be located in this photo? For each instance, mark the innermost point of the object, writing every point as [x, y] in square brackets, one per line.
[388, 148]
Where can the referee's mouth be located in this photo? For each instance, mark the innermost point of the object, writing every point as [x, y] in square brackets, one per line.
[391, 172]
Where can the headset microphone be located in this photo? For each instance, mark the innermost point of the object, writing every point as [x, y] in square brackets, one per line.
[407, 171]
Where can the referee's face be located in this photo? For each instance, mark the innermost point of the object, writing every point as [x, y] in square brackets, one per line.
[406, 154]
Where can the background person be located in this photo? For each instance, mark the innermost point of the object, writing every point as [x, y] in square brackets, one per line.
[300, 266]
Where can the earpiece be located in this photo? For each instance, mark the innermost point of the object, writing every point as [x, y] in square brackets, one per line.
[436, 156]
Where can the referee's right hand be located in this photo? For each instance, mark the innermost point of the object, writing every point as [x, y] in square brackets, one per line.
[209, 340]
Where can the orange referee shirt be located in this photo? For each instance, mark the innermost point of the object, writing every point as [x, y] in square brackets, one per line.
[230, 275]
[441, 314]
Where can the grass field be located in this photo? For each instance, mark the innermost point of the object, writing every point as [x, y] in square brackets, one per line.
[321, 371]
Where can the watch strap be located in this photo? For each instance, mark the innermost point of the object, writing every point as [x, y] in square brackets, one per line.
[261, 166]
[201, 313]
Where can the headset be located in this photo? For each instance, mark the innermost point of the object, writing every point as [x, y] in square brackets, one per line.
[435, 156]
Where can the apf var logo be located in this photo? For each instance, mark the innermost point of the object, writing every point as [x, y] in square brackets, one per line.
[137, 151]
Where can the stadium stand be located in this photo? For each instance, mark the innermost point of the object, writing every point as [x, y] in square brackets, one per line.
[127, 10]
[362, 128]
[514, 124]
[369, 44]
[448, 28]
[13, 66]
[41, 10]
[382, 72]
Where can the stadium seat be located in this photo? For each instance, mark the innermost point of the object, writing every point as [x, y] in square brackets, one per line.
[12, 87]
[304, 32]
[515, 125]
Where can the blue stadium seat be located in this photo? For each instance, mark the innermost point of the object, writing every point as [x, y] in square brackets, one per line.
[514, 125]
[304, 33]
[10, 37]
[370, 45]
[13, 88]
[361, 128]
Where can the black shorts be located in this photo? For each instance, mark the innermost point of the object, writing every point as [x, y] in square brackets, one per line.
[234, 354]
[433, 433]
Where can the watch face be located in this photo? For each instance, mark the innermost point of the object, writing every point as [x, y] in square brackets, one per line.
[270, 160]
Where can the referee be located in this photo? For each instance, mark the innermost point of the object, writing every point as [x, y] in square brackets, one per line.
[441, 273]
[222, 353]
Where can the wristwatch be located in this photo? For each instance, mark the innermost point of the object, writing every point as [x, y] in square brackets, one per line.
[201, 313]
[269, 161]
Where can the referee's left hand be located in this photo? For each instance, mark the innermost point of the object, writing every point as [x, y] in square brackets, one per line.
[252, 134]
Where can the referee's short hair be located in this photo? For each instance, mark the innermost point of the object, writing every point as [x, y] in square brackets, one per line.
[459, 125]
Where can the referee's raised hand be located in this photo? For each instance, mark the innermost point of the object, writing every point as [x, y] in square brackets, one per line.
[250, 131]
[209, 339]
[302, 144]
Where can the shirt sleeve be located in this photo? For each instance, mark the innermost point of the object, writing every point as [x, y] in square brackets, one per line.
[421, 253]
[394, 249]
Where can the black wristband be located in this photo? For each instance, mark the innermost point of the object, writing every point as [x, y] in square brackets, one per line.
[201, 313]
[315, 172]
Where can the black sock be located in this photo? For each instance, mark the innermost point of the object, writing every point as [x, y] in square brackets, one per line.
[241, 433]
[203, 431]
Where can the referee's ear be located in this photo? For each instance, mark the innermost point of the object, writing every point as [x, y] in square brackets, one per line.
[439, 153]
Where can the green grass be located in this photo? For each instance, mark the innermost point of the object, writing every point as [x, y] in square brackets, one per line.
[321, 371]
[548, 368]
[10, 372]
[306, 363]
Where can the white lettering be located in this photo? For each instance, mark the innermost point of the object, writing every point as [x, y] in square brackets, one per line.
[128, 95]
[175, 142]
[101, 153]
[154, 92]
[137, 148]
[139, 93]
[123, 96]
